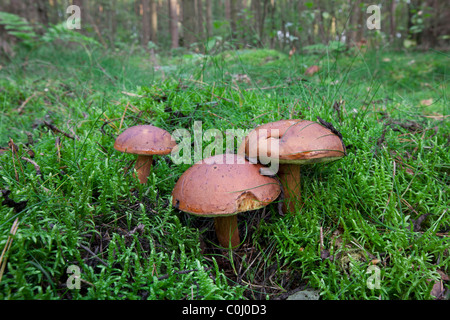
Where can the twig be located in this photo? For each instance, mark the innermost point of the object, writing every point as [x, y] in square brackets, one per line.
[14, 150]
[22, 106]
[36, 166]
[9, 241]
[55, 129]
[93, 254]
[216, 115]
[58, 148]
[228, 100]
[261, 115]
[38, 170]
[123, 116]
[321, 238]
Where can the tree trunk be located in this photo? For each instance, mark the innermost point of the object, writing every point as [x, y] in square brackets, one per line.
[189, 22]
[209, 19]
[320, 23]
[260, 17]
[392, 32]
[41, 7]
[272, 9]
[153, 21]
[199, 20]
[352, 22]
[173, 23]
[227, 9]
[145, 23]
[233, 17]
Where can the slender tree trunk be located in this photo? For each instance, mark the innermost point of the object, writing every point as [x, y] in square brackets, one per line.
[260, 17]
[227, 9]
[41, 7]
[233, 17]
[145, 23]
[153, 21]
[173, 23]
[352, 22]
[110, 8]
[320, 23]
[272, 9]
[256, 9]
[189, 22]
[360, 26]
[209, 19]
[199, 20]
[392, 21]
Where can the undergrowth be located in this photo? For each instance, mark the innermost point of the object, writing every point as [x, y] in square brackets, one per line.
[383, 207]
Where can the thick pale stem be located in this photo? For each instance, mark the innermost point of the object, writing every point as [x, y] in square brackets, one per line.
[143, 167]
[289, 175]
[227, 231]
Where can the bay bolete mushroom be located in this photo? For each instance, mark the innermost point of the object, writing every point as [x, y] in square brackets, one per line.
[145, 141]
[220, 187]
[299, 142]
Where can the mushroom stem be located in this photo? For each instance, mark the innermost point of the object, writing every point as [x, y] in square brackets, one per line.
[289, 175]
[143, 167]
[227, 231]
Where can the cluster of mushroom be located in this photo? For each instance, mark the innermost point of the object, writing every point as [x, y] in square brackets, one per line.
[224, 185]
[297, 142]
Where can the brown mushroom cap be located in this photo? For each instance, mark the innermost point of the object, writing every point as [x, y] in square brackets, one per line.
[223, 185]
[308, 141]
[299, 141]
[145, 140]
[293, 143]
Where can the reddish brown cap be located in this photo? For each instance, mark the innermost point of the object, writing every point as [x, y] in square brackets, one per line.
[299, 141]
[262, 134]
[145, 140]
[223, 185]
[309, 141]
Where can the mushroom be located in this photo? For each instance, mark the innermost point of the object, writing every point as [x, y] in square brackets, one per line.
[144, 141]
[220, 187]
[299, 142]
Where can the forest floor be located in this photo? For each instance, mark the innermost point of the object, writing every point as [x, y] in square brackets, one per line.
[373, 225]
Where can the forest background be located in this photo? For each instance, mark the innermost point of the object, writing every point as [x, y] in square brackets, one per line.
[207, 25]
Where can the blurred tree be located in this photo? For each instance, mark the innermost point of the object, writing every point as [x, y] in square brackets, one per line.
[189, 23]
[173, 22]
[278, 24]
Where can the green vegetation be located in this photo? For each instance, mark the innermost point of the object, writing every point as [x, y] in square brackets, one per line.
[77, 204]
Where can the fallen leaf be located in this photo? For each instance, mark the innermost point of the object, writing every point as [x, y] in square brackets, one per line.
[426, 102]
[311, 70]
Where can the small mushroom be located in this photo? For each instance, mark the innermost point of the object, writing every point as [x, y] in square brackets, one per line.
[220, 187]
[299, 142]
[144, 141]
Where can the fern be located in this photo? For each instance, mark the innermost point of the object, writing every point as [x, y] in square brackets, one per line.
[62, 33]
[24, 31]
[18, 27]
